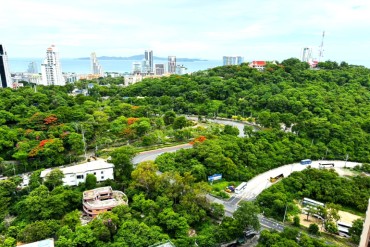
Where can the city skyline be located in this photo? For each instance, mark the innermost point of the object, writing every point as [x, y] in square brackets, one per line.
[264, 30]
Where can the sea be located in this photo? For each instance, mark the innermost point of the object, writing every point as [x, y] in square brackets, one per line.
[80, 66]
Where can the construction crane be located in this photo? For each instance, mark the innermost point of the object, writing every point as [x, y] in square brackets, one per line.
[321, 47]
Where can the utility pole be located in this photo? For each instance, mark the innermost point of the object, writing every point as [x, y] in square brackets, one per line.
[286, 207]
[84, 141]
[321, 48]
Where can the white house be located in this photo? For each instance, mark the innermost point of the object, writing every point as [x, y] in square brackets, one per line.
[73, 175]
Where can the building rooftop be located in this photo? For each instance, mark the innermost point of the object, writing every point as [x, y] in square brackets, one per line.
[164, 244]
[91, 194]
[110, 198]
[43, 243]
[81, 168]
[258, 63]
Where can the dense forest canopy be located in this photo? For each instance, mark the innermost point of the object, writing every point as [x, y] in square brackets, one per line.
[303, 113]
[327, 107]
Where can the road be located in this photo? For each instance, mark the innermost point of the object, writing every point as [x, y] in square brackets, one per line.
[239, 125]
[153, 154]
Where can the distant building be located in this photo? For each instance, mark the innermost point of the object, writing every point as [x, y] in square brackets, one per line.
[71, 77]
[145, 68]
[43, 243]
[365, 236]
[5, 77]
[259, 65]
[51, 69]
[101, 200]
[132, 79]
[306, 54]
[181, 70]
[136, 68]
[96, 68]
[73, 175]
[172, 64]
[148, 56]
[159, 69]
[232, 60]
[32, 68]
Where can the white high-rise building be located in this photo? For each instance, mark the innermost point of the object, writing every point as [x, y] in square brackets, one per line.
[51, 70]
[172, 64]
[95, 66]
[5, 77]
[148, 56]
[232, 60]
[306, 54]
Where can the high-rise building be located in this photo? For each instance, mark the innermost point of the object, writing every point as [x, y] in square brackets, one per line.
[95, 66]
[148, 56]
[159, 68]
[5, 77]
[306, 54]
[230, 60]
[32, 68]
[136, 68]
[51, 70]
[172, 64]
[145, 67]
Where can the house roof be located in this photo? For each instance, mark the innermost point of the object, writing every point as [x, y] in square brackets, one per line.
[81, 168]
[259, 63]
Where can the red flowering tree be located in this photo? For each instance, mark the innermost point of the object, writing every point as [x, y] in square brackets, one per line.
[132, 120]
[199, 139]
[51, 119]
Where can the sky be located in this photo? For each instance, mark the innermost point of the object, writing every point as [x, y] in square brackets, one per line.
[209, 29]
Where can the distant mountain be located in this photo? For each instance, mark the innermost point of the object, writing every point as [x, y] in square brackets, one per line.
[141, 57]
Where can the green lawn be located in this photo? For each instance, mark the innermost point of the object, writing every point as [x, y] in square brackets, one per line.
[218, 188]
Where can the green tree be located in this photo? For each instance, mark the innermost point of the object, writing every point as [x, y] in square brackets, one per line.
[180, 122]
[356, 230]
[36, 231]
[169, 117]
[246, 216]
[230, 130]
[90, 181]
[54, 178]
[7, 193]
[122, 160]
[145, 177]
[84, 236]
[72, 219]
[296, 221]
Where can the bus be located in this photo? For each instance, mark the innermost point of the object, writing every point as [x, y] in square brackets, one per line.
[240, 187]
[322, 166]
[306, 162]
[343, 229]
[309, 202]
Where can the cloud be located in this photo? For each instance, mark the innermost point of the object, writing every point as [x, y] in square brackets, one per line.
[187, 28]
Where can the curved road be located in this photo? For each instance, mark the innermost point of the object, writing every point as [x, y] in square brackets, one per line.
[259, 183]
[153, 154]
[239, 125]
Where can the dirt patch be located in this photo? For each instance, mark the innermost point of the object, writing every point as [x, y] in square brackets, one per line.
[344, 172]
[347, 217]
[311, 220]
